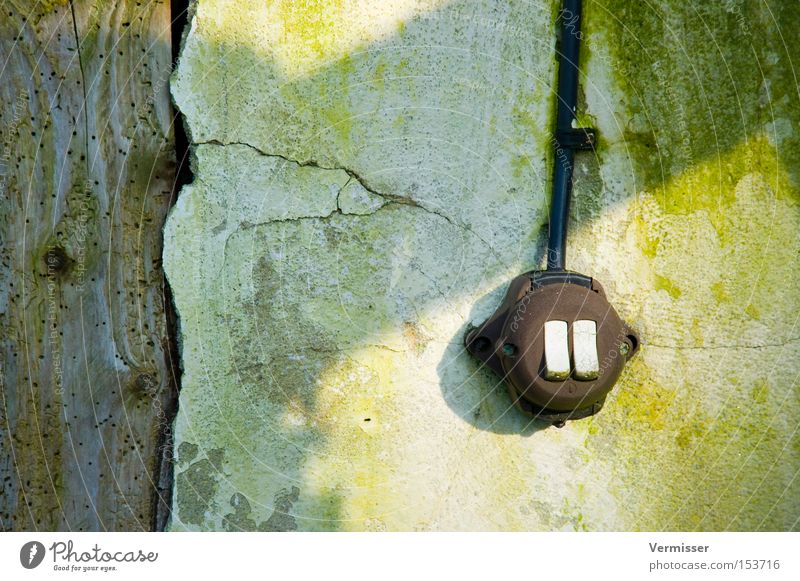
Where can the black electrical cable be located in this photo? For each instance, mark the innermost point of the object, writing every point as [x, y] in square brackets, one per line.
[567, 139]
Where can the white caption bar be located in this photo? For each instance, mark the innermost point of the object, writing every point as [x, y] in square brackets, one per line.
[405, 556]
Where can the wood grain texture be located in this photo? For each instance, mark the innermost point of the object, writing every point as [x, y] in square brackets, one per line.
[86, 176]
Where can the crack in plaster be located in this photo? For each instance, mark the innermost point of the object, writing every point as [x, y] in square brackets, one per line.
[391, 199]
[717, 347]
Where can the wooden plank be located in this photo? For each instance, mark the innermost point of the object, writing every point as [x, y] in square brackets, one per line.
[87, 176]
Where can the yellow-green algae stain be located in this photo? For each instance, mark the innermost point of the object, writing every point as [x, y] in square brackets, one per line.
[720, 293]
[712, 115]
[701, 91]
[760, 391]
[357, 404]
[311, 27]
[752, 311]
[680, 466]
[663, 283]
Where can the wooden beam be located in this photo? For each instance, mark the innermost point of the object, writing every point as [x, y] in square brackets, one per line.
[87, 174]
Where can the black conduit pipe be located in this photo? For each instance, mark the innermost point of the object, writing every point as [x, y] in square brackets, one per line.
[567, 139]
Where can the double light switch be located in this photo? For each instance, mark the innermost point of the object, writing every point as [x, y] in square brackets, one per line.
[583, 363]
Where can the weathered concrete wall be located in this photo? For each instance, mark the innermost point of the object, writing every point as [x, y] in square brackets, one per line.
[369, 176]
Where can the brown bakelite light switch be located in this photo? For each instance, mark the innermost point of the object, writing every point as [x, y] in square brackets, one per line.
[557, 342]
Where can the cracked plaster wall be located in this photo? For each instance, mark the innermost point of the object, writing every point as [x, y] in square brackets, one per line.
[368, 178]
